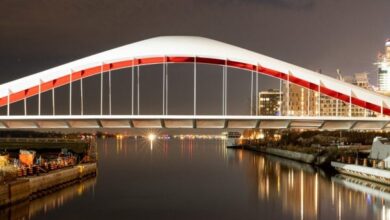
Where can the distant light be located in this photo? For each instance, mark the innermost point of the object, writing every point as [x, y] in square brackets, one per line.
[260, 136]
[152, 137]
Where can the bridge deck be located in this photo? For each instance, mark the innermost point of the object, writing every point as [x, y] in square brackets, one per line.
[190, 121]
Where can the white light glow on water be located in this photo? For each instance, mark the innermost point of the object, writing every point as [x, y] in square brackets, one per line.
[151, 137]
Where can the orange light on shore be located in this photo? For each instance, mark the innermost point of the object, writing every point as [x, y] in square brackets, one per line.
[260, 136]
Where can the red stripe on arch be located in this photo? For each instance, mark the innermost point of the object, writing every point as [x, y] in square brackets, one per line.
[241, 65]
[104, 67]
[180, 59]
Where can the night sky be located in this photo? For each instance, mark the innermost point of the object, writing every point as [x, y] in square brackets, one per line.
[316, 34]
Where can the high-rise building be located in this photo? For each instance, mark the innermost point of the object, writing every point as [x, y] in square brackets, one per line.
[299, 101]
[269, 102]
[384, 69]
[361, 80]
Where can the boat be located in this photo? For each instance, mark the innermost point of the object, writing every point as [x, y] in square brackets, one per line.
[232, 138]
[374, 168]
[372, 188]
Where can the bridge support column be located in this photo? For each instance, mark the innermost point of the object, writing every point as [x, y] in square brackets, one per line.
[251, 106]
[166, 89]
[138, 90]
[257, 89]
[308, 101]
[25, 106]
[280, 97]
[53, 101]
[8, 103]
[163, 85]
[101, 88]
[319, 98]
[350, 103]
[39, 96]
[225, 67]
[195, 71]
[224, 88]
[70, 91]
[109, 92]
[132, 88]
[81, 97]
[381, 108]
[288, 93]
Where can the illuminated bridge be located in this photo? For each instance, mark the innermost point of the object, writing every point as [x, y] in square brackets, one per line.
[194, 52]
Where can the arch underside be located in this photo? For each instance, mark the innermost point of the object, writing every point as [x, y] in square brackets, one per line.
[91, 71]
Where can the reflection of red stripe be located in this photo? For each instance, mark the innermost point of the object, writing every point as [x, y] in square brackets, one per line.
[18, 96]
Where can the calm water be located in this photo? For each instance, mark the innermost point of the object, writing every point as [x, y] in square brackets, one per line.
[187, 179]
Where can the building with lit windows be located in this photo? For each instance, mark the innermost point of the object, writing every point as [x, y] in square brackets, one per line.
[269, 102]
[383, 65]
[301, 101]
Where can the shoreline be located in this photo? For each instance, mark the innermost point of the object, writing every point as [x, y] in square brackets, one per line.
[312, 159]
[28, 188]
[352, 170]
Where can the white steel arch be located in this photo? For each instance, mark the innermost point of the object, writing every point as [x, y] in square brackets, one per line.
[182, 49]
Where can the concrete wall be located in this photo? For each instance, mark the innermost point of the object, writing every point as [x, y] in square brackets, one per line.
[39, 183]
[13, 192]
[298, 156]
[22, 188]
[307, 158]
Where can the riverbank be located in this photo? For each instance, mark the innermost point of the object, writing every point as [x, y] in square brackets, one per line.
[318, 159]
[30, 187]
[32, 208]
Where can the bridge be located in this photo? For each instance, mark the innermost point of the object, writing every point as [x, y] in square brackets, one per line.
[194, 51]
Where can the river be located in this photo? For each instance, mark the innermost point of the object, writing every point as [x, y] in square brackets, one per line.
[202, 179]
